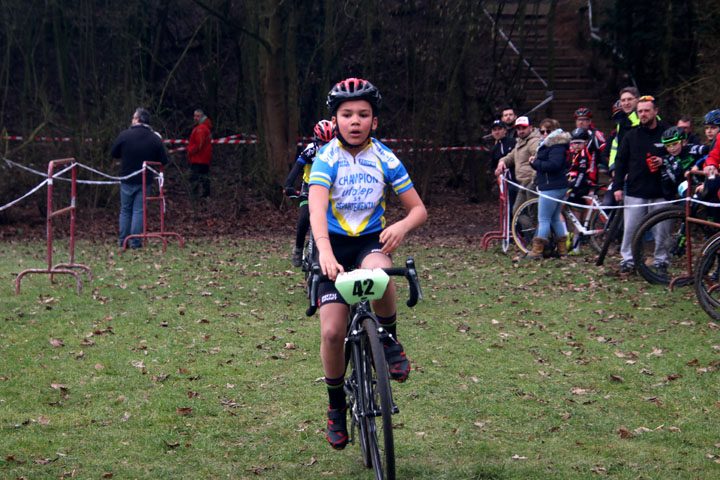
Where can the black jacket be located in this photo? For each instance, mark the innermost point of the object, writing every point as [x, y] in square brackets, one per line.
[136, 145]
[551, 162]
[501, 148]
[638, 144]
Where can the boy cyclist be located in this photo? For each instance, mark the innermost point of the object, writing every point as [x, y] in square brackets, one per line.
[322, 134]
[348, 184]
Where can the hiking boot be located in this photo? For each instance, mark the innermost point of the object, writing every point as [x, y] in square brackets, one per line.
[296, 257]
[397, 362]
[538, 247]
[562, 246]
[337, 434]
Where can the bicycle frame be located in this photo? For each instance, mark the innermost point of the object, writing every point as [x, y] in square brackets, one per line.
[583, 227]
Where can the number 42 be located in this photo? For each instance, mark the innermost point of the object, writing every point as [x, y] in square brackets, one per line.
[358, 288]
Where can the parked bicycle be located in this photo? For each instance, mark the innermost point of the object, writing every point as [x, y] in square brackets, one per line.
[368, 386]
[684, 230]
[592, 228]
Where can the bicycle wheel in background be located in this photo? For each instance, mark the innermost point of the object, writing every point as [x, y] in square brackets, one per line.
[524, 224]
[707, 278]
[612, 236]
[644, 246]
[378, 401]
[601, 220]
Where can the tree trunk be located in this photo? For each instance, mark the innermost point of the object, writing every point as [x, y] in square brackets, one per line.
[274, 98]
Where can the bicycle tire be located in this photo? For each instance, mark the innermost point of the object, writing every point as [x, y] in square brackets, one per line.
[599, 220]
[524, 224]
[707, 289]
[644, 246]
[360, 364]
[378, 395]
[611, 236]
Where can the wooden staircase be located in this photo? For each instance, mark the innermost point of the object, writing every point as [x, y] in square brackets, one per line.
[576, 77]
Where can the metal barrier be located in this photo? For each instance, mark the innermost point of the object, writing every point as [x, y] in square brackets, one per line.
[60, 268]
[503, 233]
[162, 234]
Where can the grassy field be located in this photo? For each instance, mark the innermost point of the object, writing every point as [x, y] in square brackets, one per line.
[200, 363]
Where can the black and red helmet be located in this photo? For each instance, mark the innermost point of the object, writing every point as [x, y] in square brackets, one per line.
[582, 112]
[616, 108]
[323, 131]
[353, 89]
[579, 134]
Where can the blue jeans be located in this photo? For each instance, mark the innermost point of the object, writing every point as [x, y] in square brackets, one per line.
[549, 214]
[131, 213]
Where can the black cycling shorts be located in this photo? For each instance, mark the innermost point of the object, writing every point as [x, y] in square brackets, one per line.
[349, 252]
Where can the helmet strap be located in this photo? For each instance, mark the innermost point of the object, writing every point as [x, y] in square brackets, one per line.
[348, 144]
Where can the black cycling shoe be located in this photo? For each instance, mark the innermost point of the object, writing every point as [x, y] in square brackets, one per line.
[337, 434]
[627, 268]
[397, 362]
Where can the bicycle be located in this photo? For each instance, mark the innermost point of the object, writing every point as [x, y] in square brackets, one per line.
[670, 262]
[525, 223]
[368, 386]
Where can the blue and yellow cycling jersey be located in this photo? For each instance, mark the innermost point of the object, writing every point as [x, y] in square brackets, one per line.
[357, 185]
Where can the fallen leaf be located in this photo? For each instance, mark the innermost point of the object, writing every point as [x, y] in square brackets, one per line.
[43, 421]
[617, 378]
[125, 417]
[518, 457]
[57, 342]
[625, 433]
[655, 352]
[59, 386]
[171, 445]
[641, 430]
[625, 355]
[184, 411]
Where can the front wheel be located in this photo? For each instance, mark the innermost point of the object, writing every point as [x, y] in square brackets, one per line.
[377, 400]
[659, 246]
[707, 278]
[524, 224]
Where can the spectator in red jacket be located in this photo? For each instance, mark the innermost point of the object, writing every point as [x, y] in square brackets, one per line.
[199, 153]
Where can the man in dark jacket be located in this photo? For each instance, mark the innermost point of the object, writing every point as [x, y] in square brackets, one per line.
[133, 146]
[637, 170]
[502, 145]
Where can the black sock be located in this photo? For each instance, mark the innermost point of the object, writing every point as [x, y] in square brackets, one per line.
[390, 326]
[336, 393]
